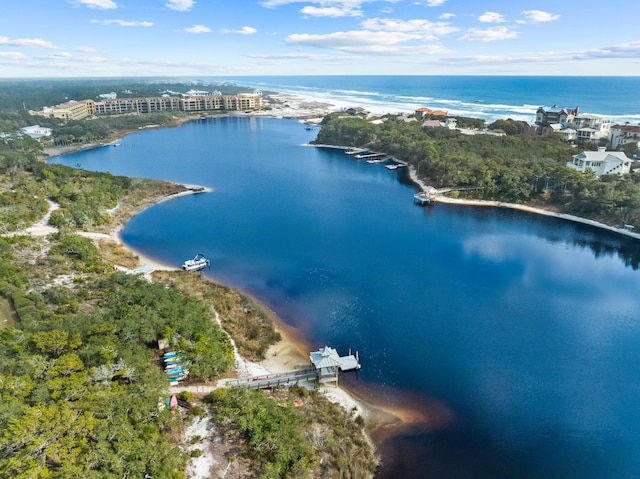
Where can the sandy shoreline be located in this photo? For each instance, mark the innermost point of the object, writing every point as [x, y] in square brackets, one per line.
[440, 198]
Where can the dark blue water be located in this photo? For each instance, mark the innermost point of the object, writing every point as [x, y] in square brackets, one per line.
[487, 97]
[517, 335]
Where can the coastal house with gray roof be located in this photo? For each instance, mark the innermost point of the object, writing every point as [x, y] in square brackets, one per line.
[601, 162]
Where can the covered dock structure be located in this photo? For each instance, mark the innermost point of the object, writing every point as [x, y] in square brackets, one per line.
[325, 366]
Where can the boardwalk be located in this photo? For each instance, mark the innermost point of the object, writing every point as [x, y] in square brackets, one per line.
[298, 377]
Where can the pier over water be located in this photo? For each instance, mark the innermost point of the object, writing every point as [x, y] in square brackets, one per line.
[325, 366]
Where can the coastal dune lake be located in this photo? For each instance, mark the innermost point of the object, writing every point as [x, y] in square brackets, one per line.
[517, 336]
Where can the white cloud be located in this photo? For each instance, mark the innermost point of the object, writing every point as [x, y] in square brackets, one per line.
[100, 4]
[87, 49]
[243, 31]
[538, 16]
[364, 41]
[427, 30]
[197, 29]
[11, 56]
[489, 35]
[334, 12]
[435, 3]
[180, 5]
[123, 23]
[445, 16]
[353, 4]
[27, 43]
[316, 57]
[491, 17]
[624, 50]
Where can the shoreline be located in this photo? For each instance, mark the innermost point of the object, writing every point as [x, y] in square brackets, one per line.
[440, 198]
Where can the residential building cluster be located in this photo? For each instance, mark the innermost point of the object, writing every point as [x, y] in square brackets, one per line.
[78, 110]
[574, 126]
[571, 124]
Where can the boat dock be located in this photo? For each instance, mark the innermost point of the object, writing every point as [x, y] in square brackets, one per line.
[370, 156]
[395, 166]
[326, 363]
[426, 197]
[357, 151]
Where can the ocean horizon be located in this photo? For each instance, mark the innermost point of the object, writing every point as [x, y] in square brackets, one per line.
[488, 97]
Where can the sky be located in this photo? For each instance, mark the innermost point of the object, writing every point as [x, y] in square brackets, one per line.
[114, 38]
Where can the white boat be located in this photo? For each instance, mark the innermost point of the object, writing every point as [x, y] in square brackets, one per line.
[198, 263]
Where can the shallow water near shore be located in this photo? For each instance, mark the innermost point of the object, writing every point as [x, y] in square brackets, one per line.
[516, 335]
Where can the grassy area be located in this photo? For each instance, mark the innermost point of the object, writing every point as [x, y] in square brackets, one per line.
[7, 314]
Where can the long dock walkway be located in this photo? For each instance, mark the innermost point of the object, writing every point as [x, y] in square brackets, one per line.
[297, 377]
[325, 366]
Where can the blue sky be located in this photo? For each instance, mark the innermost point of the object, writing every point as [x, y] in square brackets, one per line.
[76, 38]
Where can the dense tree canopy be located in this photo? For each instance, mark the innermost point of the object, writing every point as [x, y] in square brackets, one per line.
[518, 167]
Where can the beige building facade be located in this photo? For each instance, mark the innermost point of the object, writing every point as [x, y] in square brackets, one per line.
[74, 110]
[77, 110]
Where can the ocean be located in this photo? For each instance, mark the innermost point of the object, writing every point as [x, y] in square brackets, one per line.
[486, 97]
[510, 339]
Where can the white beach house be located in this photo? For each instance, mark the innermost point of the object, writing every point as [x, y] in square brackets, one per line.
[601, 162]
[36, 131]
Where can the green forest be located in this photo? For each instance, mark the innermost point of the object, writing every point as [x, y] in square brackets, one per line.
[518, 167]
[82, 386]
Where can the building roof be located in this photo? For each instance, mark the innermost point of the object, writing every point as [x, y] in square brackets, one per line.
[557, 109]
[325, 358]
[71, 103]
[627, 128]
[602, 155]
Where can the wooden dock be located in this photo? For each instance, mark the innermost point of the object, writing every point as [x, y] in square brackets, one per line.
[426, 197]
[370, 156]
[357, 151]
[324, 368]
[296, 377]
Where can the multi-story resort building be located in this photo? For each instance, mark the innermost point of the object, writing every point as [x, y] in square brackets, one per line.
[77, 110]
[74, 110]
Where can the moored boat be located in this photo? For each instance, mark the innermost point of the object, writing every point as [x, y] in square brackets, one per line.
[198, 263]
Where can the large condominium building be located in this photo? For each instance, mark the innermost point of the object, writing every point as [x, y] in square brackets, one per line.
[74, 110]
[77, 110]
